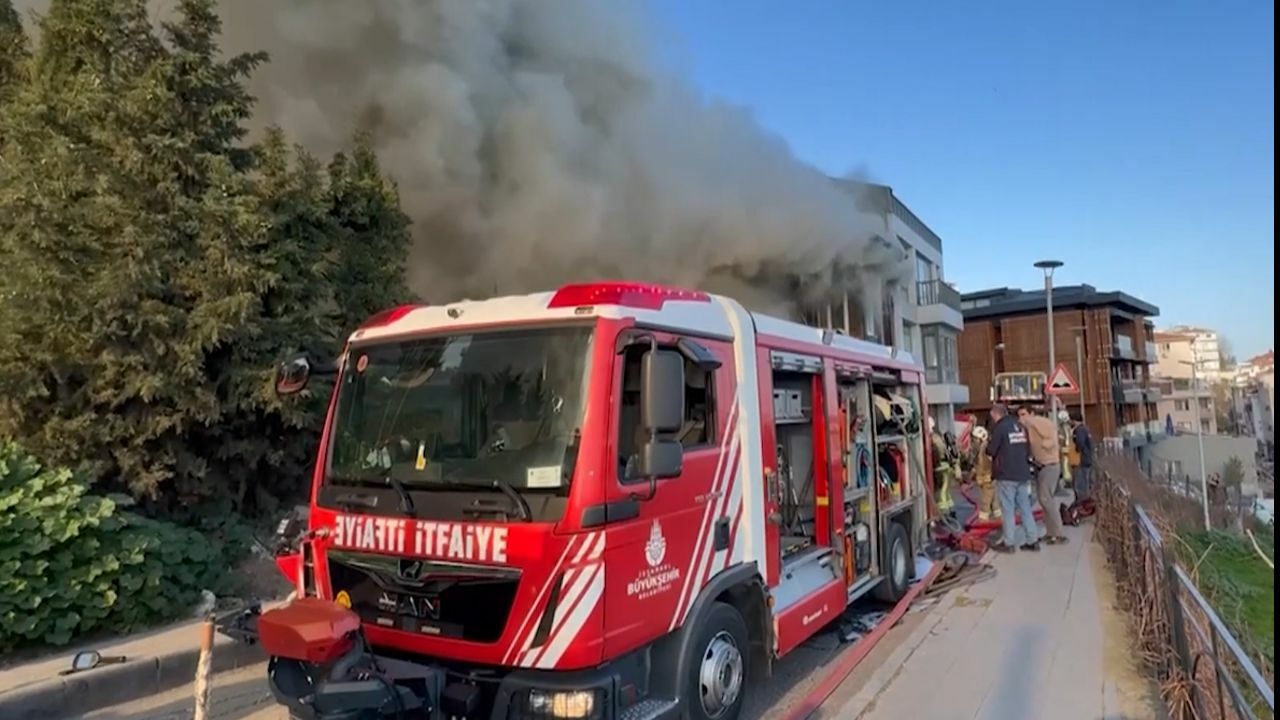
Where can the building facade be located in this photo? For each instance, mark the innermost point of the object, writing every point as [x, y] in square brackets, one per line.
[1177, 406]
[1255, 394]
[1178, 353]
[1103, 338]
[922, 316]
[1203, 345]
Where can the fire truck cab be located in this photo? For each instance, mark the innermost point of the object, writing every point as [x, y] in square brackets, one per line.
[613, 500]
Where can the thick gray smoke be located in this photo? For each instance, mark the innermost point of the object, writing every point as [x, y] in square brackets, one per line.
[537, 142]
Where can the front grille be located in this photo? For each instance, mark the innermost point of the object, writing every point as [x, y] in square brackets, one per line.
[443, 599]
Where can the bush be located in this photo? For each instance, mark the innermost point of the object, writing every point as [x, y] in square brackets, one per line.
[73, 564]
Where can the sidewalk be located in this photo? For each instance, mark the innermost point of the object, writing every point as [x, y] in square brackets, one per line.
[157, 661]
[1041, 640]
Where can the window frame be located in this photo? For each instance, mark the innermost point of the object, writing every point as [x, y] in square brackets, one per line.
[665, 341]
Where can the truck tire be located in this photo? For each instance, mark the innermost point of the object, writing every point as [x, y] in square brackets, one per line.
[897, 565]
[717, 665]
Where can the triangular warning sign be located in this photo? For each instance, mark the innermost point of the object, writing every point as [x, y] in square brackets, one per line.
[1061, 382]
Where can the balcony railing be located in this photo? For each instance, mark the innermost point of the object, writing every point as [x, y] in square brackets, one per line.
[936, 292]
[1128, 390]
[1152, 354]
[1122, 347]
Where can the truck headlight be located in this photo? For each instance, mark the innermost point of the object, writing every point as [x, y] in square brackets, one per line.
[562, 704]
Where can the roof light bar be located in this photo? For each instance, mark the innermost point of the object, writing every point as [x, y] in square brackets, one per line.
[642, 296]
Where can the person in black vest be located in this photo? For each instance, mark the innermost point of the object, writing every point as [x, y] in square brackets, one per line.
[1010, 454]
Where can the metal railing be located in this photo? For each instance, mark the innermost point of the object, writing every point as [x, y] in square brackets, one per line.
[1204, 671]
[936, 292]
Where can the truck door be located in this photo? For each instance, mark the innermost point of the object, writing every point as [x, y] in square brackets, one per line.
[658, 560]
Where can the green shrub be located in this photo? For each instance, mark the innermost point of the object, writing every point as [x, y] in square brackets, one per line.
[73, 564]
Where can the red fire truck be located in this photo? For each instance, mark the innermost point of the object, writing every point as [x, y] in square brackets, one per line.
[613, 500]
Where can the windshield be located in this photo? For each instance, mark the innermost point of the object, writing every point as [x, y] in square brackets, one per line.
[484, 409]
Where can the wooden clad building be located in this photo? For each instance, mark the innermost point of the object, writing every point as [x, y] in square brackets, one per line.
[1103, 338]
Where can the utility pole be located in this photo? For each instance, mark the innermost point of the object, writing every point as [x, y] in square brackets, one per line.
[1079, 337]
[1204, 476]
[1048, 266]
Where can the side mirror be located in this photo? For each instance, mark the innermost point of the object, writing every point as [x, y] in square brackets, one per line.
[292, 376]
[662, 391]
[86, 660]
[90, 659]
[661, 459]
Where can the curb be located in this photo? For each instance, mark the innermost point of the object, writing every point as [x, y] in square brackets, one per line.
[864, 700]
[856, 706]
[77, 695]
[844, 663]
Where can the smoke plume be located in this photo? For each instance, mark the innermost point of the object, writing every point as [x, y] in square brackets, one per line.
[537, 142]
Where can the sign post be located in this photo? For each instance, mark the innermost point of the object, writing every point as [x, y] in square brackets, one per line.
[1061, 382]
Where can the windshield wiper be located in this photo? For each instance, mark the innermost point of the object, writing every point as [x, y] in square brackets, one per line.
[362, 500]
[406, 500]
[502, 486]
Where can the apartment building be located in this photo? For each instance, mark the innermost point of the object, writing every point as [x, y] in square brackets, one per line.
[1255, 394]
[923, 316]
[1205, 346]
[1177, 405]
[1104, 338]
[1179, 352]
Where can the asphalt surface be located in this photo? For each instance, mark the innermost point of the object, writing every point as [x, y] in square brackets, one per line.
[243, 694]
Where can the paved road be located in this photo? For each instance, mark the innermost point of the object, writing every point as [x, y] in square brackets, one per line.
[243, 695]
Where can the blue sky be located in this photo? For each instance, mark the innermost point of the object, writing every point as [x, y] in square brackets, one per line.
[1133, 140]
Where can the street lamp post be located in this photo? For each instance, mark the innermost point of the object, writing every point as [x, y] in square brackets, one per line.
[1204, 477]
[1048, 266]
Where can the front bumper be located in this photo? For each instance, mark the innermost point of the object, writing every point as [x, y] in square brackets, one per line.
[430, 692]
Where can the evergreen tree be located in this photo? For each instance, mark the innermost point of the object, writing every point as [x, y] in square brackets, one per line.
[158, 269]
[13, 50]
[375, 242]
[131, 235]
[273, 442]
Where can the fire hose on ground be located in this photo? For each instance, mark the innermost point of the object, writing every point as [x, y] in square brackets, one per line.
[959, 569]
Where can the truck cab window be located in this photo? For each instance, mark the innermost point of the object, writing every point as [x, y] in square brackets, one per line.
[699, 410]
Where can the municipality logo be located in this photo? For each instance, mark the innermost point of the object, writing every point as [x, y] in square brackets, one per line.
[656, 549]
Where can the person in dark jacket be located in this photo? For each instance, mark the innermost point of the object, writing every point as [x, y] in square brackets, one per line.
[1082, 474]
[1010, 454]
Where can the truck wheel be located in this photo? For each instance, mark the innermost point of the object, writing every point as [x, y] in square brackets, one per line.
[717, 665]
[897, 568]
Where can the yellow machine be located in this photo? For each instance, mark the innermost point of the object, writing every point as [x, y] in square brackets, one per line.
[1015, 388]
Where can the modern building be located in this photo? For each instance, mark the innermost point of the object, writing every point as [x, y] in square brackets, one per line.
[1200, 343]
[1103, 338]
[1178, 353]
[921, 316]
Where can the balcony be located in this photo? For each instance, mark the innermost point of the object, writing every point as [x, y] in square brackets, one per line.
[1152, 353]
[1134, 434]
[1128, 391]
[938, 303]
[1154, 394]
[1123, 348]
[943, 387]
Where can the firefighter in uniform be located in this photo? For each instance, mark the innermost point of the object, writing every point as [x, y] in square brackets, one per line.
[944, 464]
[987, 507]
